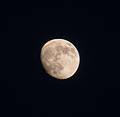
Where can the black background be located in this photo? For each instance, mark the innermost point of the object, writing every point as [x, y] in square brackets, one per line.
[26, 88]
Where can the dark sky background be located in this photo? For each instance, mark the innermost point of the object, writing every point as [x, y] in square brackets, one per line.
[26, 87]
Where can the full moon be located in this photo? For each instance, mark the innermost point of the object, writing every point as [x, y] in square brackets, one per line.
[60, 58]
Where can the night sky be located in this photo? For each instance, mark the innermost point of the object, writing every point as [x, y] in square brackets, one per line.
[32, 92]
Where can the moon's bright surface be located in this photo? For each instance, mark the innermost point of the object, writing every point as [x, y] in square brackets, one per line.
[60, 58]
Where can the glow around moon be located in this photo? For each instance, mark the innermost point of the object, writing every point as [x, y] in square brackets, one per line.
[60, 58]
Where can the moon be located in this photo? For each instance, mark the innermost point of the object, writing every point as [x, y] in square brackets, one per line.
[60, 58]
